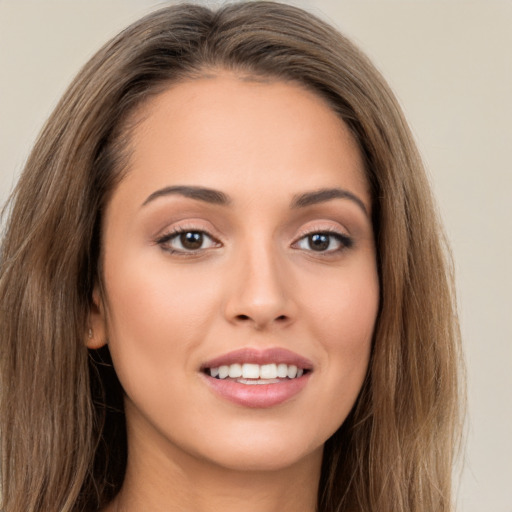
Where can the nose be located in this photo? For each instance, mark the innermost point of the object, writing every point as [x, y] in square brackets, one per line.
[260, 290]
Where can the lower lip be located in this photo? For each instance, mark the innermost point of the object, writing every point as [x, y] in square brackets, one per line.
[258, 395]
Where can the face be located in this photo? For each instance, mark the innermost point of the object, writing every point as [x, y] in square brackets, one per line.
[240, 275]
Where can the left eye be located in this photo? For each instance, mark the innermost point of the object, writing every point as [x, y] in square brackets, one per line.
[187, 241]
[323, 242]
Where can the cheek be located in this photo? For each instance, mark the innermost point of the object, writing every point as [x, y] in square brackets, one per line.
[342, 317]
[153, 296]
[344, 309]
[155, 318]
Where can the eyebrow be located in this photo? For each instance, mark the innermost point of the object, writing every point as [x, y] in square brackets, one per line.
[326, 194]
[207, 195]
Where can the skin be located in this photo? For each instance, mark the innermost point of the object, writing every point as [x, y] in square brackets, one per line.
[255, 282]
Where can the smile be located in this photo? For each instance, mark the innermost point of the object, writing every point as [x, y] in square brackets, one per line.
[250, 373]
[258, 378]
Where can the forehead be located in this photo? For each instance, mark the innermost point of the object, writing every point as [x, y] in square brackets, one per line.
[223, 131]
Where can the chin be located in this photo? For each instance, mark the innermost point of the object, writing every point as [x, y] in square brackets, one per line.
[265, 459]
[260, 447]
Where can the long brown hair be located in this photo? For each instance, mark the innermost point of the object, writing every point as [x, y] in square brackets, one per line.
[62, 426]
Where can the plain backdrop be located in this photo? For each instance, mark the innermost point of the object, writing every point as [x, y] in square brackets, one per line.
[450, 64]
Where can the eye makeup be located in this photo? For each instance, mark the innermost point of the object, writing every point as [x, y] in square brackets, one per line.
[187, 240]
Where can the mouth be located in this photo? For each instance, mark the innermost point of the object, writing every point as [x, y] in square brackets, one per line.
[253, 373]
[258, 379]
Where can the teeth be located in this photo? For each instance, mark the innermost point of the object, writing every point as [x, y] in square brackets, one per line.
[282, 371]
[223, 372]
[266, 373]
[250, 371]
[292, 371]
[258, 381]
[235, 371]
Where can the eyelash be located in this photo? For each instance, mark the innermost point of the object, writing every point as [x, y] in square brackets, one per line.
[344, 241]
[165, 240]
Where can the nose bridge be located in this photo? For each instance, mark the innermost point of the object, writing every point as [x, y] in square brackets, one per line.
[259, 292]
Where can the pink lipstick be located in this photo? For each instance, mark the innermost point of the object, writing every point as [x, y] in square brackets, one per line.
[257, 378]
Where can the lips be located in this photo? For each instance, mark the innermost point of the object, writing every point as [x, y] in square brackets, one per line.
[257, 378]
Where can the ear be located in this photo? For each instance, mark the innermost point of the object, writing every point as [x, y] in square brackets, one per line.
[96, 333]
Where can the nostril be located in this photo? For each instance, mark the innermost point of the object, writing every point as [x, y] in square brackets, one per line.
[246, 318]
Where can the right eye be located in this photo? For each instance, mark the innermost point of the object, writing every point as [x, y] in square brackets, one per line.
[187, 241]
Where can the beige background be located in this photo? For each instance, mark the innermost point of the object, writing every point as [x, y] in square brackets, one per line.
[450, 64]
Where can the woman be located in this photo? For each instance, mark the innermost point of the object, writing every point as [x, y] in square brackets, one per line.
[223, 281]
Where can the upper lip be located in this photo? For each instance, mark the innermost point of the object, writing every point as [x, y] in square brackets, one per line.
[258, 356]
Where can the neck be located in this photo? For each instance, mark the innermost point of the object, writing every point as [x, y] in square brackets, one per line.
[160, 481]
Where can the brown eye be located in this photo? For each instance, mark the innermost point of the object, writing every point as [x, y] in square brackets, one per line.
[319, 241]
[326, 242]
[187, 241]
[191, 240]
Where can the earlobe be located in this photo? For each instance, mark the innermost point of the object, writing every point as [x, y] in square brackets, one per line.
[96, 331]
